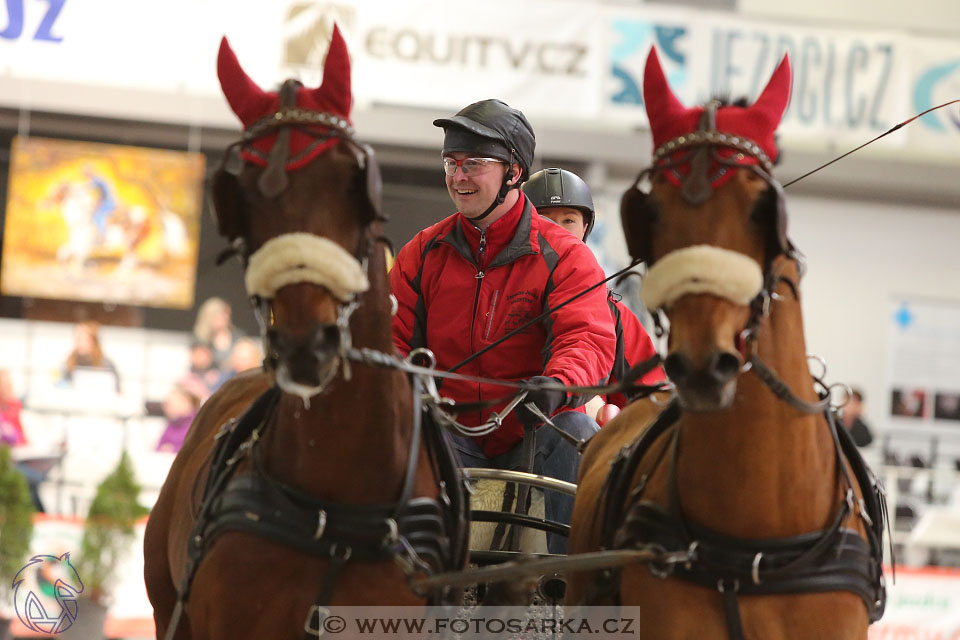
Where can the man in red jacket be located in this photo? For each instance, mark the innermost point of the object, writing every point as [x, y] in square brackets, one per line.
[563, 197]
[473, 277]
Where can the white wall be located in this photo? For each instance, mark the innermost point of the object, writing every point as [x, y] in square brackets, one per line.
[862, 256]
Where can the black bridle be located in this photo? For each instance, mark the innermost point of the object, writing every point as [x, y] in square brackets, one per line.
[699, 149]
[836, 558]
[422, 535]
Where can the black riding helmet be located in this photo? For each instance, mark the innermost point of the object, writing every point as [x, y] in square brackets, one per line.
[561, 188]
[494, 129]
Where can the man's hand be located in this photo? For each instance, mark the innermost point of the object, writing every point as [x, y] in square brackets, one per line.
[547, 400]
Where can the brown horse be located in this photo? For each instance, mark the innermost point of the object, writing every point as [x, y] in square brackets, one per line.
[744, 474]
[308, 483]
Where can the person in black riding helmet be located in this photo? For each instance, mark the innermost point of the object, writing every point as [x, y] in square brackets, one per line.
[472, 278]
[563, 197]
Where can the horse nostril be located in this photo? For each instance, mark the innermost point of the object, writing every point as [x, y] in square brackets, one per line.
[725, 366]
[327, 339]
[677, 367]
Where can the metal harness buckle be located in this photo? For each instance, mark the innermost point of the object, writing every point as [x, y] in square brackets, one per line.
[321, 613]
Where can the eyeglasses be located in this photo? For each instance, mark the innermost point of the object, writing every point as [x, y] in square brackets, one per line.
[470, 166]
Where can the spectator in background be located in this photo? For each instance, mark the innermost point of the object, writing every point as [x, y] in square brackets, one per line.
[563, 197]
[852, 418]
[202, 377]
[246, 354]
[180, 408]
[199, 381]
[11, 431]
[11, 435]
[214, 326]
[87, 353]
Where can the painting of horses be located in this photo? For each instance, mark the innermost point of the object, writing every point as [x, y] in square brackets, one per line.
[99, 222]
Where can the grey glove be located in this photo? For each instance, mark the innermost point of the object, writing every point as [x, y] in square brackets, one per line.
[547, 400]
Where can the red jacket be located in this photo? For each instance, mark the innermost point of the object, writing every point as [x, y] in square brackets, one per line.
[11, 431]
[633, 347]
[456, 295]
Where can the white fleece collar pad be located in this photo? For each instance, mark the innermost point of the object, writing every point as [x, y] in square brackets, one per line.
[701, 269]
[304, 257]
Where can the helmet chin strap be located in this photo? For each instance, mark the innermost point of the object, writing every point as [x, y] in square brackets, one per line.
[501, 195]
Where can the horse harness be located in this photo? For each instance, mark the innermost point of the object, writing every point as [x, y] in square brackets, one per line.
[834, 559]
[421, 534]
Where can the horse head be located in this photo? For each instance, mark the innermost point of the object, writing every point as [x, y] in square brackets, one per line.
[298, 197]
[709, 230]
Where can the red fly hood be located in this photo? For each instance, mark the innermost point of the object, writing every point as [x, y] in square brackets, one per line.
[758, 122]
[251, 103]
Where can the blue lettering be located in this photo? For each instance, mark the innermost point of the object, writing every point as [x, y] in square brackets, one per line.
[715, 64]
[15, 20]
[856, 60]
[44, 31]
[807, 100]
[828, 82]
[729, 70]
[758, 70]
[887, 54]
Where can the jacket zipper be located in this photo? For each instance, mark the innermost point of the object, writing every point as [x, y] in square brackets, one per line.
[481, 251]
[481, 254]
[493, 307]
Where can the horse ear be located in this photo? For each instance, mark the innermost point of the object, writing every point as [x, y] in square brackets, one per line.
[246, 99]
[775, 97]
[335, 88]
[661, 103]
[227, 202]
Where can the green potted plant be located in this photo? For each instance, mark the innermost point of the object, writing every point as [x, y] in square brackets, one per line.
[16, 527]
[107, 536]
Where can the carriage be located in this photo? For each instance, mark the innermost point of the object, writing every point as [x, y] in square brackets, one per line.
[736, 497]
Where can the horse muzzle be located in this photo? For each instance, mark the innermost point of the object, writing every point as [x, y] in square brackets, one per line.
[304, 364]
[708, 386]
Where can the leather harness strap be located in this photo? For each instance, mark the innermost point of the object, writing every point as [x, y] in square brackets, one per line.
[422, 534]
[834, 559]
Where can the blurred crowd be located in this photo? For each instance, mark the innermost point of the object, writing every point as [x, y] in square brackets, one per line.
[218, 351]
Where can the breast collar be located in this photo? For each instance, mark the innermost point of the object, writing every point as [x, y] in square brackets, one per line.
[834, 559]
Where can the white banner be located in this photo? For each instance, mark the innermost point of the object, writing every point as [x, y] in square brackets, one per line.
[540, 57]
[936, 80]
[580, 62]
[845, 83]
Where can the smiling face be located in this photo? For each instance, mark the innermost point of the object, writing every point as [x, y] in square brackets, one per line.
[472, 193]
[570, 219]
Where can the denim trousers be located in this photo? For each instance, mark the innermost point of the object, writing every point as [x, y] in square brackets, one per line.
[555, 458]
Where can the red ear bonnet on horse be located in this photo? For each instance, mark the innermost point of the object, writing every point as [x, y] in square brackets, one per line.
[758, 122]
[251, 103]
